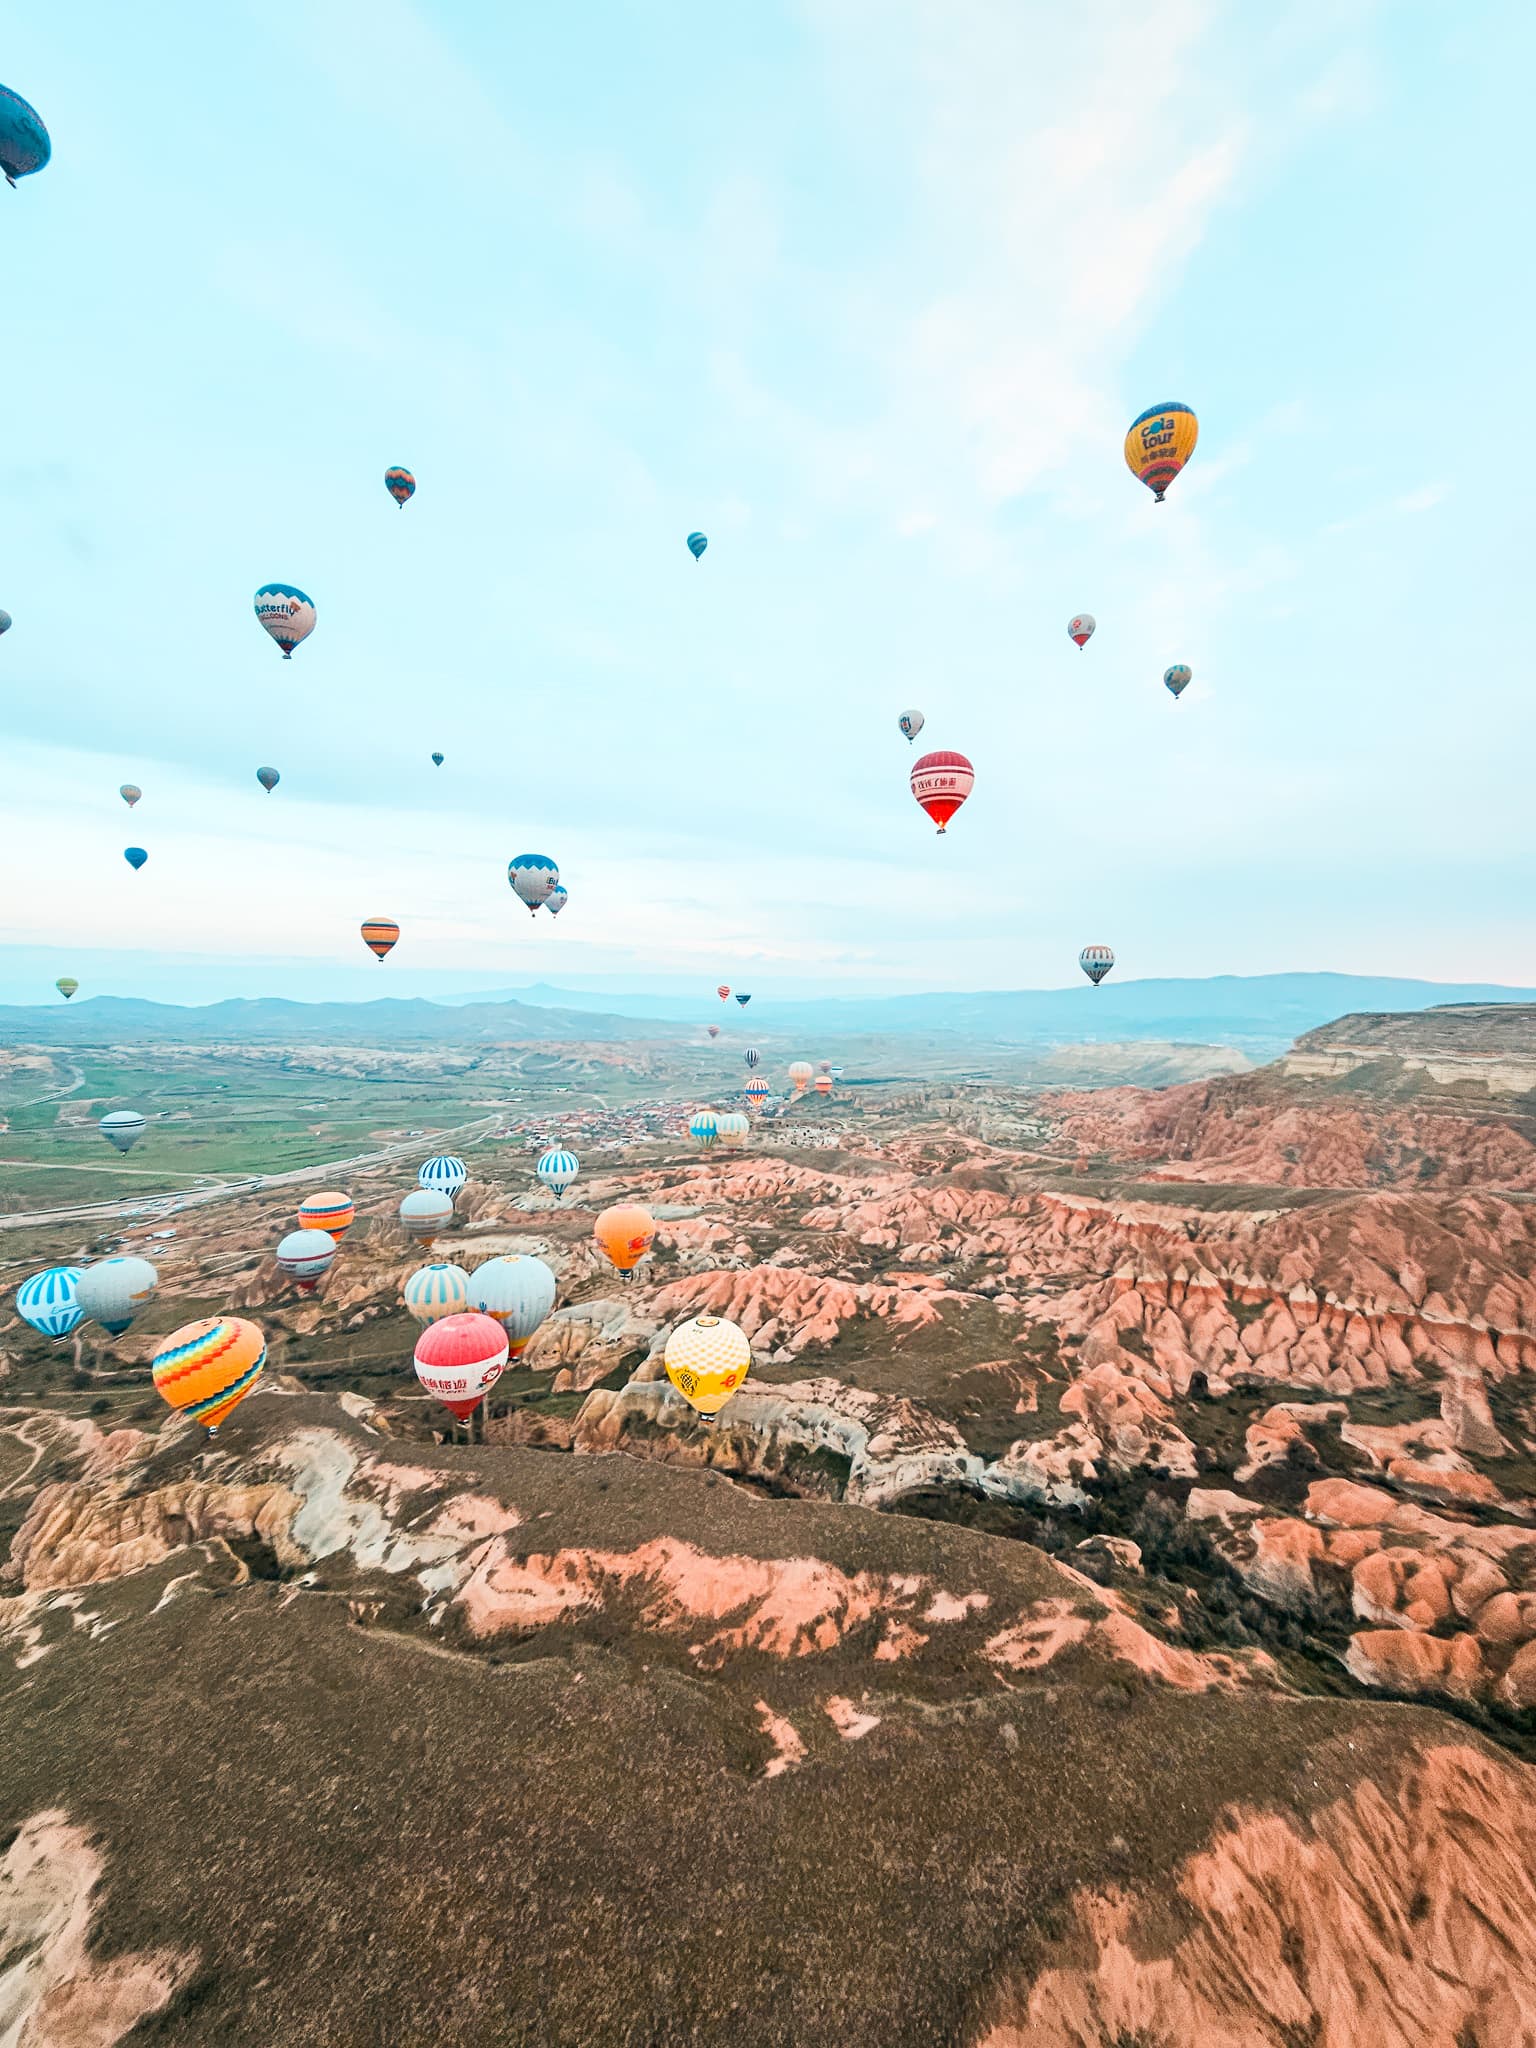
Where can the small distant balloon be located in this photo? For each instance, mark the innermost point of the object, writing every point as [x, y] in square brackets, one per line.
[800, 1074]
[1096, 961]
[743, 999]
[751, 1056]
[557, 1169]
[437, 760]
[135, 857]
[941, 783]
[1178, 678]
[1160, 441]
[66, 986]
[534, 878]
[5, 622]
[704, 1129]
[823, 1084]
[24, 144]
[714, 1030]
[122, 1129]
[130, 794]
[757, 1092]
[697, 543]
[723, 992]
[1081, 629]
[734, 1128]
[400, 485]
[625, 1233]
[287, 614]
[268, 778]
[911, 723]
[379, 934]
[557, 899]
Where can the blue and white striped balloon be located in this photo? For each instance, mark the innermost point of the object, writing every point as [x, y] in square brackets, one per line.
[557, 1169]
[47, 1301]
[705, 1128]
[444, 1175]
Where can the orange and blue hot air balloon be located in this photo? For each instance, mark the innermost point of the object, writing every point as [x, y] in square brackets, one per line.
[206, 1368]
[400, 485]
[379, 935]
[696, 545]
[1160, 441]
[24, 144]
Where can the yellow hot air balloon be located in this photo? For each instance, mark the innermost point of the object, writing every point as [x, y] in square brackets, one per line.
[625, 1234]
[206, 1368]
[707, 1358]
[1161, 440]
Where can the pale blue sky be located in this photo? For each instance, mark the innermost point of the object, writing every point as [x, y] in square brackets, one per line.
[867, 290]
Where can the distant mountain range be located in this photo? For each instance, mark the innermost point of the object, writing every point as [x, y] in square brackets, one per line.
[1260, 1013]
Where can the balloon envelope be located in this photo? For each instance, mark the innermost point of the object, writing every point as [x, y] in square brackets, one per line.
[1159, 443]
[723, 992]
[1096, 961]
[329, 1210]
[1178, 678]
[534, 878]
[743, 999]
[436, 1290]
[47, 1301]
[400, 485]
[114, 1290]
[516, 1292]
[557, 1169]
[5, 622]
[460, 1358]
[714, 1030]
[1081, 629]
[268, 778]
[437, 760]
[287, 614]
[625, 1233]
[379, 935]
[707, 1358]
[734, 1128]
[206, 1368]
[24, 144]
[557, 899]
[941, 783]
[130, 794]
[800, 1074]
[122, 1128]
[445, 1173]
[305, 1255]
[751, 1055]
[425, 1210]
[757, 1093]
[135, 857]
[696, 545]
[66, 986]
[911, 723]
[704, 1128]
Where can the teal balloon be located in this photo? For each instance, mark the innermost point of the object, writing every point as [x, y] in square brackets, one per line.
[697, 543]
[24, 144]
[135, 856]
[268, 778]
[437, 760]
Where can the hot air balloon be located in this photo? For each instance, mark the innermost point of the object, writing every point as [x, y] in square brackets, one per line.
[707, 1358]
[823, 1066]
[714, 1030]
[734, 1128]
[122, 1128]
[306, 1256]
[1081, 629]
[757, 1093]
[135, 857]
[557, 899]
[379, 935]
[114, 1290]
[516, 1292]
[130, 794]
[437, 760]
[751, 1055]
[66, 986]
[1096, 961]
[460, 1358]
[823, 1084]
[1178, 678]
[205, 1369]
[6, 622]
[557, 1169]
[424, 1211]
[941, 783]
[24, 144]
[445, 1173]
[47, 1301]
[723, 992]
[330, 1211]
[697, 543]
[800, 1074]
[743, 999]
[534, 878]
[704, 1129]
[625, 1233]
[911, 723]
[1161, 440]
[268, 778]
[400, 485]
[287, 614]
[435, 1291]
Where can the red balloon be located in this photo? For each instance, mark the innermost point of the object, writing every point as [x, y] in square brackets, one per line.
[460, 1358]
[941, 783]
[723, 991]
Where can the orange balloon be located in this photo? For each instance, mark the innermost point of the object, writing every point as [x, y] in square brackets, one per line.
[625, 1234]
[379, 935]
[207, 1368]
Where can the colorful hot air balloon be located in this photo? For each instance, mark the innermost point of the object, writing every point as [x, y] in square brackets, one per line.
[723, 992]
[516, 1292]
[534, 878]
[557, 1169]
[714, 1030]
[800, 1074]
[437, 1290]
[1178, 678]
[66, 986]
[757, 1093]
[330, 1211]
[47, 1301]
[379, 935]
[1160, 441]
[704, 1129]
[24, 144]
[1081, 629]
[707, 1358]
[823, 1084]
[437, 760]
[734, 1128]
[205, 1369]
[287, 614]
[941, 783]
[557, 899]
[425, 1211]
[696, 545]
[742, 999]
[400, 485]
[445, 1173]
[911, 723]
[135, 857]
[268, 778]
[460, 1358]
[1096, 961]
[306, 1256]
[122, 1128]
[625, 1233]
[114, 1290]
[130, 794]
[751, 1055]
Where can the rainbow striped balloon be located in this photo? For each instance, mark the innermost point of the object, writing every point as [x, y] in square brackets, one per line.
[330, 1211]
[207, 1368]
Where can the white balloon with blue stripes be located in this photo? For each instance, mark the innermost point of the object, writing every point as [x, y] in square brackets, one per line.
[444, 1175]
[48, 1300]
[557, 1169]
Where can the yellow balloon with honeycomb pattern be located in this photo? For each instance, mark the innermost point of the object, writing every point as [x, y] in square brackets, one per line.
[707, 1358]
